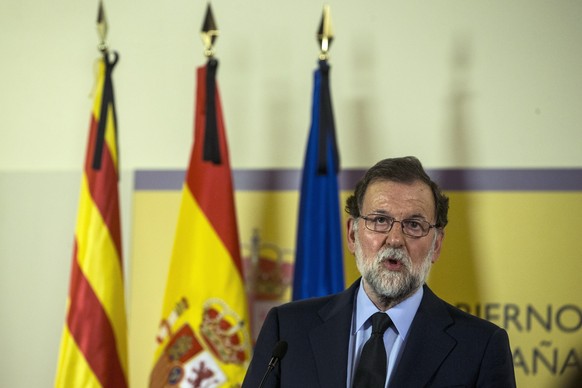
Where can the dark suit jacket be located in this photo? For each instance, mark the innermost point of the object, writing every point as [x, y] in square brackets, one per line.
[446, 347]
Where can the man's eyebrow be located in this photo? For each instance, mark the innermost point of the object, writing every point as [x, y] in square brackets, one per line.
[418, 215]
[413, 215]
[380, 211]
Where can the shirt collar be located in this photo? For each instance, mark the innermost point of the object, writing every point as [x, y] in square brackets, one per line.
[402, 314]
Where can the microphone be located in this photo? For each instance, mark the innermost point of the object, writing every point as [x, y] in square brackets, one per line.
[278, 353]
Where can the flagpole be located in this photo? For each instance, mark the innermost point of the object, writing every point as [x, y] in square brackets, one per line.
[209, 33]
[102, 29]
[325, 37]
[325, 33]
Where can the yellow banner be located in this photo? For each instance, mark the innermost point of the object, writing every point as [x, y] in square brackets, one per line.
[513, 258]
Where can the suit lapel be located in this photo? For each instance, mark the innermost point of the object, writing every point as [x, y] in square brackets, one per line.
[427, 346]
[330, 340]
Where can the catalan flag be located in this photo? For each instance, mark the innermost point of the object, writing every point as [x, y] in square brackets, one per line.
[204, 335]
[319, 253]
[93, 350]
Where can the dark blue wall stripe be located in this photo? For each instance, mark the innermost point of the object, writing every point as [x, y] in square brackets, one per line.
[568, 179]
[510, 180]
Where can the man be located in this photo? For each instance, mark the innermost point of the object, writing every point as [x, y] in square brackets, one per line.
[396, 230]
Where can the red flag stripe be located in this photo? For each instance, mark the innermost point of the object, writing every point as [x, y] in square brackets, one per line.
[103, 188]
[211, 184]
[90, 327]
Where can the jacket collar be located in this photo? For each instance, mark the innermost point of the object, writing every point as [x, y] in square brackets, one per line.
[418, 365]
[330, 339]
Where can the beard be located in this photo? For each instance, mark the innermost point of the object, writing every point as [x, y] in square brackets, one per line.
[392, 287]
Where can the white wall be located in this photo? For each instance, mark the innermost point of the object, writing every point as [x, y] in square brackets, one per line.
[457, 83]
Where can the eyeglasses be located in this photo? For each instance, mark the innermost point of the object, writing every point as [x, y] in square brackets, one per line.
[411, 227]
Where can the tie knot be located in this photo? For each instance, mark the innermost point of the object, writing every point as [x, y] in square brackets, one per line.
[380, 322]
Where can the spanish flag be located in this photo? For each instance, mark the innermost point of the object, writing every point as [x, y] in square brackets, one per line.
[204, 334]
[93, 349]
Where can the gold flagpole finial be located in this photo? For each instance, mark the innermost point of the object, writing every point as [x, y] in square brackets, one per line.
[101, 28]
[325, 33]
[209, 32]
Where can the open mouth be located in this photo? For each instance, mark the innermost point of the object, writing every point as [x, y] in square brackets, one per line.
[393, 264]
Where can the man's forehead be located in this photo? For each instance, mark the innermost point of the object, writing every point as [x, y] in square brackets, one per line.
[415, 193]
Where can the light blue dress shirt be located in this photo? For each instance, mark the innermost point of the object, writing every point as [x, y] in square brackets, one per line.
[394, 338]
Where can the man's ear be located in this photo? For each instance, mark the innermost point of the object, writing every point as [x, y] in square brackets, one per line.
[351, 234]
[438, 244]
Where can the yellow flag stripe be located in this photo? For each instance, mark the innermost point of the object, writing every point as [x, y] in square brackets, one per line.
[99, 89]
[81, 375]
[99, 261]
[110, 137]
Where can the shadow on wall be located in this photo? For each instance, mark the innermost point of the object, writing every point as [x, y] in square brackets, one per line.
[454, 276]
[575, 381]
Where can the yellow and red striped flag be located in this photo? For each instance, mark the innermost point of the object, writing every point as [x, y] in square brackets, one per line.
[204, 335]
[93, 349]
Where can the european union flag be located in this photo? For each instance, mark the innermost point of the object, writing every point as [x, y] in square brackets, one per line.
[319, 255]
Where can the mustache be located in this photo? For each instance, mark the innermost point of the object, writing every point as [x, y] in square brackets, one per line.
[394, 254]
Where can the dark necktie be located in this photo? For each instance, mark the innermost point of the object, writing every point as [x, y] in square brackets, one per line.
[371, 370]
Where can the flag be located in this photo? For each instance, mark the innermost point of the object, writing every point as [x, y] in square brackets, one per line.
[204, 334]
[93, 350]
[319, 253]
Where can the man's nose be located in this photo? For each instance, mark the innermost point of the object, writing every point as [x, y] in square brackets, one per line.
[395, 237]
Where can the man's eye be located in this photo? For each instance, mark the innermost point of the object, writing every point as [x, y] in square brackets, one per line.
[412, 224]
[381, 220]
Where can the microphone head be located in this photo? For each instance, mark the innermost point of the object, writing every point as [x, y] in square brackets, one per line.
[280, 350]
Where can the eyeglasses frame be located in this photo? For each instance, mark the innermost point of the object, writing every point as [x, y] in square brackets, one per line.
[394, 220]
